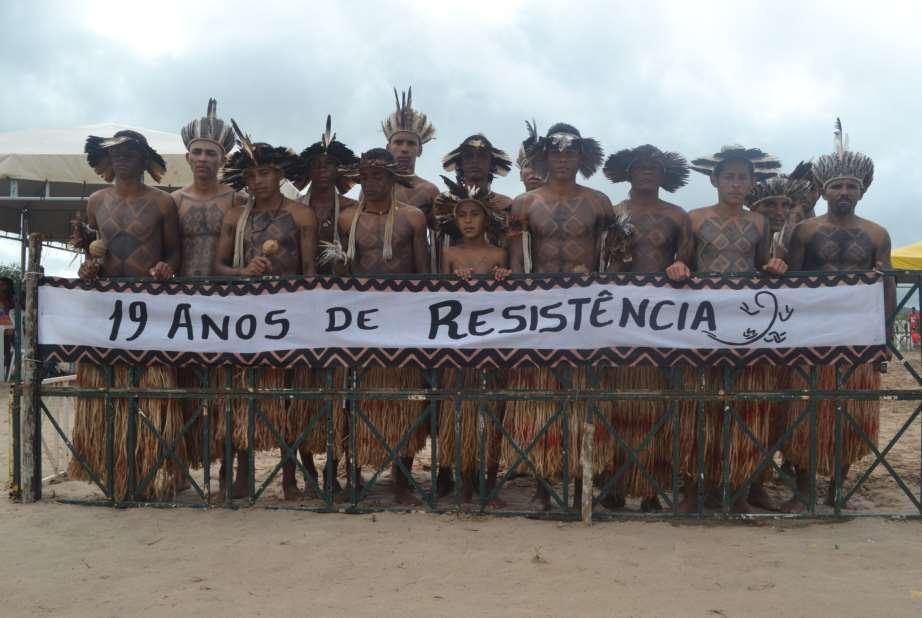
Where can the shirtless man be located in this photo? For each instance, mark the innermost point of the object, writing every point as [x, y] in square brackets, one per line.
[837, 241]
[201, 207]
[379, 216]
[565, 222]
[406, 131]
[661, 242]
[780, 200]
[138, 226]
[324, 163]
[729, 238]
[267, 216]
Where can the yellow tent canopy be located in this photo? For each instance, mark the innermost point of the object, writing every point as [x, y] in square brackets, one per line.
[908, 257]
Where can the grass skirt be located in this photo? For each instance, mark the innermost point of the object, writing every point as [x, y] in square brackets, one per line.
[89, 433]
[865, 413]
[274, 410]
[633, 420]
[470, 422]
[525, 418]
[305, 410]
[744, 454]
[392, 418]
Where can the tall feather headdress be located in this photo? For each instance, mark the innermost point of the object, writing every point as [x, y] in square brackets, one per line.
[843, 163]
[330, 147]
[784, 187]
[97, 154]
[500, 163]
[259, 154]
[675, 167]
[528, 144]
[762, 164]
[209, 128]
[406, 119]
[562, 136]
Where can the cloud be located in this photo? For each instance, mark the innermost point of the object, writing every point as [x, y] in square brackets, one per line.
[685, 76]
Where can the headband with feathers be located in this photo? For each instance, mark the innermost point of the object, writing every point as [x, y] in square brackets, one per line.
[500, 163]
[784, 187]
[563, 137]
[843, 163]
[762, 165]
[459, 193]
[675, 167]
[381, 158]
[252, 155]
[528, 144]
[330, 147]
[97, 154]
[408, 120]
[209, 128]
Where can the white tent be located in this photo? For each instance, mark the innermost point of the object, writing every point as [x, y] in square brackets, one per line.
[44, 176]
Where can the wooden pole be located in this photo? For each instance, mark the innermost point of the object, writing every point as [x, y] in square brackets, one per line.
[31, 379]
[585, 460]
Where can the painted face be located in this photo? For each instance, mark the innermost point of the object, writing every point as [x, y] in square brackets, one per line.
[646, 174]
[842, 196]
[471, 220]
[406, 148]
[205, 159]
[776, 210]
[263, 182]
[376, 182]
[128, 160]
[733, 182]
[323, 172]
[476, 164]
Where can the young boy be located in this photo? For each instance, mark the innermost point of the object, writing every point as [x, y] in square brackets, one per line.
[468, 215]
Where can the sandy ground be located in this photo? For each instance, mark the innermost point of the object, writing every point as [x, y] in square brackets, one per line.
[73, 560]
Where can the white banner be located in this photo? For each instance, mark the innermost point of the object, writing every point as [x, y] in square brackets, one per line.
[586, 316]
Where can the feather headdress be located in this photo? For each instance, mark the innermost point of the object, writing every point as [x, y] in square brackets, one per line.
[259, 154]
[762, 164]
[528, 144]
[843, 163]
[500, 163]
[458, 193]
[330, 147]
[675, 167]
[97, 154]
[209, 128]
[563, 137]
[408, 120]
[381, 158]
[784, 187]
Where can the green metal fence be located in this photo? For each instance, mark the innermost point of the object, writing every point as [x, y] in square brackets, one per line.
[356, 496]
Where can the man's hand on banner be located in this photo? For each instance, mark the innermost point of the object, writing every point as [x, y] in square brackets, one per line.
[89, 270]
[776, 266]
[258, 266]
[500, 273]
[678, 271]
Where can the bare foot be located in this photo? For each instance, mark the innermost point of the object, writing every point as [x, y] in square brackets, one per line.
[689, 503]
[612, 501]
[651, 504]
[405, 497]
[444, 483]
[794, 505]
[741, 506]
[239, 490]
[760, 498]
[292, 494]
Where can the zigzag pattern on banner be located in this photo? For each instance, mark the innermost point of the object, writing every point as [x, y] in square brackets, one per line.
[272, 286]
[434, 358]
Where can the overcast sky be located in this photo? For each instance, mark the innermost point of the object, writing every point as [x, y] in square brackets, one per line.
[685, 76]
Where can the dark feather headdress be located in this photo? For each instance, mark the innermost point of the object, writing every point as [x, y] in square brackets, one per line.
[784, 187]
[209, 128]
[381, 158]
[500, 163]
[259, 154]
[330, 147]
[97, 154]
[843, 163]
[528, 144]
[562, 137]
[406, 119]
[458, 193]
[762, 164]
[675, 167]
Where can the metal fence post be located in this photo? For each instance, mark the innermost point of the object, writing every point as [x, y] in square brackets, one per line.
[31, 454]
